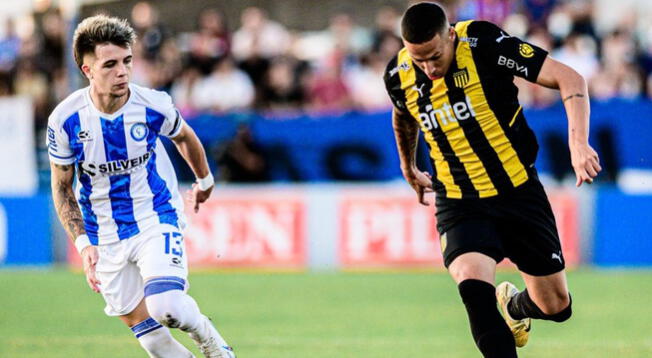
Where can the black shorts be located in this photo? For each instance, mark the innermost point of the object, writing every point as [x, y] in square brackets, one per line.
[518, 225]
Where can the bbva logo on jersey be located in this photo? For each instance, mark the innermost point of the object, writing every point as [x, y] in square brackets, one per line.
[512, 65]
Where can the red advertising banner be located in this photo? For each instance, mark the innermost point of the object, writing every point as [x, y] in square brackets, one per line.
[393, 230]
[248, 229]
[380, 228]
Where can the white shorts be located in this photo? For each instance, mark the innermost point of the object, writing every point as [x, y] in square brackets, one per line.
[124, 266]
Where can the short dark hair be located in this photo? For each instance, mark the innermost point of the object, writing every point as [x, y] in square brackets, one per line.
[422, 21]
[100, 29]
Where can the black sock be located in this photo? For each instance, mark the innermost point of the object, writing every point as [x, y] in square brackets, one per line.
[521, 306]
[490, 332]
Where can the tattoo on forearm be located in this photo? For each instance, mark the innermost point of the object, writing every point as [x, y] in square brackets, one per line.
[406, 132]
[579, 95]
[66, 205]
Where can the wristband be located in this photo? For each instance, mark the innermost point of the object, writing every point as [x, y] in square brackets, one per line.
[206, 182]
[82, 242]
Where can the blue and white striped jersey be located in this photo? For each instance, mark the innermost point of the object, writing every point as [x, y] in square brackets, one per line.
[125, 181]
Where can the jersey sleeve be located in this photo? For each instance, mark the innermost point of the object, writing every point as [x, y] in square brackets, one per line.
[173, 121]
[58, 143]
[393, 84]
[508, 53]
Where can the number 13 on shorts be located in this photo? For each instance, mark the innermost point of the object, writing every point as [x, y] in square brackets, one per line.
[173, 243]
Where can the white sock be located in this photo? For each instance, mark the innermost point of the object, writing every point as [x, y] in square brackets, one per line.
[158, 342]
[176, 309]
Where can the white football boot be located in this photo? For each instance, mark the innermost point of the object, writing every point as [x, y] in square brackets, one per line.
[212, 345]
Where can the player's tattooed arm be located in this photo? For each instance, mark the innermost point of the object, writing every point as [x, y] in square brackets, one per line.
[64, 199]
[578, 95]
[406, 132]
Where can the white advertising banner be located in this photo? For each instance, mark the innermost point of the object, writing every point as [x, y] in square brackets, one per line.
[18, 176]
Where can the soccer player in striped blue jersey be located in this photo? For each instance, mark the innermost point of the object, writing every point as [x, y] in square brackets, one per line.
[125, 213]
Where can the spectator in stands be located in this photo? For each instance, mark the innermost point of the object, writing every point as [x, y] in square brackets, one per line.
[211, 42]
[183, 90]
[281, 88]
[259, 36]
[385, 39]
[366, 86]
[579, 52]
[151, 33]
[327, 91]
[619, 75]
[51, 54]
[31, 82]
[226, 89]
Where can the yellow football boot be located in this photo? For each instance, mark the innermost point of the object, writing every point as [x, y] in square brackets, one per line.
[520, 328]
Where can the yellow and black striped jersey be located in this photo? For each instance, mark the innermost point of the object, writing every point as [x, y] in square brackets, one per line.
[479, 141]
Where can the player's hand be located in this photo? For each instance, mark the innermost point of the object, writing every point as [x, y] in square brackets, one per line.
[585, 163]
[89, 260]
[197, 196]
[421, 182]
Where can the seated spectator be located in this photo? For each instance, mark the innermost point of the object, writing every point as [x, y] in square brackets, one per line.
[281, 88]
[226, 89]
[365, 83]
[327, 91]
[259, 36]
[211, 42]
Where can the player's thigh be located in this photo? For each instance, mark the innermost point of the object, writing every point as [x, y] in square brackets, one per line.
[162, 254]
[120, 281]
[529, 232]
[471, 248]
[550, 292]
[139, 314]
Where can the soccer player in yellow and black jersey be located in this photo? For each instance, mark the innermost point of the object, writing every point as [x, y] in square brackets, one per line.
[455, 83]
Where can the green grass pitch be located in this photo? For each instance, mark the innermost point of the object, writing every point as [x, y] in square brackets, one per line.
[300, 315]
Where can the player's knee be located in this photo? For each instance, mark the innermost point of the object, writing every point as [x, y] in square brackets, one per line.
[161, 297]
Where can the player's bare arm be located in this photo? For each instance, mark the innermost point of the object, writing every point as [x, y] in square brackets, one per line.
[66, 206]
[574, 94]
[406, 132]
[192, 151]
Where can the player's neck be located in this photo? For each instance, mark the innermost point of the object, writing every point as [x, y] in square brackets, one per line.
[106, 102]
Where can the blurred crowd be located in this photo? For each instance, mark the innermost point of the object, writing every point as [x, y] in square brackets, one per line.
[257, 63]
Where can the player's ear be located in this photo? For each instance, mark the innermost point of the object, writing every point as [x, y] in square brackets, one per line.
[451, 33]
[86, 70]
[87, 63]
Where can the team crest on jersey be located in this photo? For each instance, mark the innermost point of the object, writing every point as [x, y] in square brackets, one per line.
[84, 136]
[461, 78]
[525, 50]
[139, 131]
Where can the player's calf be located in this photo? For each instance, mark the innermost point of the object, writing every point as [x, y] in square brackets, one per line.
[157, 340]
[522, 305]
[490, 332]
